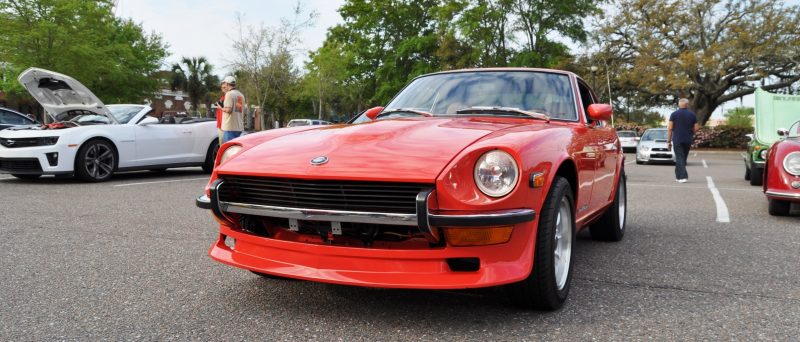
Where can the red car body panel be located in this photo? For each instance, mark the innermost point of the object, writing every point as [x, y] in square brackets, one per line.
[442, 152]
[777, 182]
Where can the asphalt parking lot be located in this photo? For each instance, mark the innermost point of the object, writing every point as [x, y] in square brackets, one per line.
[126, 260]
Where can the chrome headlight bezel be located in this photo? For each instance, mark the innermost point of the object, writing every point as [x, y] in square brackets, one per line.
[763, 154]
[228, 153]
[496, 173]
[791, 163]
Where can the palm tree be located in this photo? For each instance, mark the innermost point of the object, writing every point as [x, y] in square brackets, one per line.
[193, 76]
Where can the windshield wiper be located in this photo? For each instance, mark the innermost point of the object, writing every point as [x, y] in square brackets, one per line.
[511, 110]
[404, 110]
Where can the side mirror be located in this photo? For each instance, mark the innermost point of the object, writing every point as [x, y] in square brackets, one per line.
[148, 120]
[750, 136]
[600, 112]
[783, 132]
[373, 112]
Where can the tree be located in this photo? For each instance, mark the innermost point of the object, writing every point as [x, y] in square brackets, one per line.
[325, 78]
[710, 51]
[195, 77]
[740, 117]
[113, 57]
[264, 62]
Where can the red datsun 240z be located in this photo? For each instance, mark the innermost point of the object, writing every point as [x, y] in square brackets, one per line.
[782, 171]
[466, 179]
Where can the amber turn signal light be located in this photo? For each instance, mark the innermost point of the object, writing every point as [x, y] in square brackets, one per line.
[462, 237]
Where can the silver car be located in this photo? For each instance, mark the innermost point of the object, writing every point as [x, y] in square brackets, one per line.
[628, 140]
[653, 147]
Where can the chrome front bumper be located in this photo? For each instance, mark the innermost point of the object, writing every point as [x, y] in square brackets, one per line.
[423, 219]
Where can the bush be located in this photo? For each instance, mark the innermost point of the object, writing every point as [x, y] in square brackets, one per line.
[722, 137]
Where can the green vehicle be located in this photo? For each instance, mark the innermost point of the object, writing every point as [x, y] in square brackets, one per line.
[772, 111]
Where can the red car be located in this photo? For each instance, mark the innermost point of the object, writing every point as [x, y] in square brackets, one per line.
[466, 179]
[782, 171]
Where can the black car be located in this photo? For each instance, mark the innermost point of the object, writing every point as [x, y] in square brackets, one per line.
[10, 118]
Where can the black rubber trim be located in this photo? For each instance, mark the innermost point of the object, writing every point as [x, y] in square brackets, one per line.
[504, 218]
[203, 202]
[214, 198]
[422, 215]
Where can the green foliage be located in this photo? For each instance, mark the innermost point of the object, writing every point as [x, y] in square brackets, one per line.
[113, 57]
[740, 117]
[709, 51]
[195, 77]
[382, 45]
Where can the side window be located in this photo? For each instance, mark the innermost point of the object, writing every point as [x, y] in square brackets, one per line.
[587, 98]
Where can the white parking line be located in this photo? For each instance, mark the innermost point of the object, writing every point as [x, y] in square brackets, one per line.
[167, 181]
[722, 209]
[704, 164]
[695, 154]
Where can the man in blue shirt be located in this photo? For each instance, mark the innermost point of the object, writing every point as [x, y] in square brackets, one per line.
[680, 134]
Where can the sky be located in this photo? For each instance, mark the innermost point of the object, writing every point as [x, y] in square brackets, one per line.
[204, 28]
[195, 28]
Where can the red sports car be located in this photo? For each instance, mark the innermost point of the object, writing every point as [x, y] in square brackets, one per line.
[782, 171]
[466, 179]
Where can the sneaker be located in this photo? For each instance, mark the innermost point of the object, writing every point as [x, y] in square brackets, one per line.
[683, 180]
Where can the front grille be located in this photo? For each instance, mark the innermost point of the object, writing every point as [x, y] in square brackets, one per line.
[28, 142]
[20, 164]
[381, 197]
[660, 149]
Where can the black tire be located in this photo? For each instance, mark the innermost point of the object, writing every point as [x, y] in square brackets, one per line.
[755, 175]
[26, 176]
[746, 172]
[778, 207]
[611, 226]
[211, 157]
[96, 161]
[540, 290]
[639, 162]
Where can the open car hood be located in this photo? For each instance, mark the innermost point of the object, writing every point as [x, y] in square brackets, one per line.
[60, 94]
[774, 111]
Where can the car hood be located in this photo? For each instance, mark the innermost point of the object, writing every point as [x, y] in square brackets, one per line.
[653, 143]
[409, 150]
[59, 93]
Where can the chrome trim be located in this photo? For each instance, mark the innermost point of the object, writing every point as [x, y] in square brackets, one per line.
[320, 214]
[783, 194]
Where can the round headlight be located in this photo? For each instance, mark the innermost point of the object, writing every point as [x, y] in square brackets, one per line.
[792, 163]
[229, 152]
[645, 148]
[763, 154]
[496, 173]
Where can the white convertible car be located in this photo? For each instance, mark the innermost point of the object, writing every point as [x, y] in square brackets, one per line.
[92, 141]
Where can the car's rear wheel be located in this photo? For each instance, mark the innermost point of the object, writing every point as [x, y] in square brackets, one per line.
[611, 226]
[211, 157]
[755, 175]
[547, 286]
[25, 176]
[778, 207]
[96, 161]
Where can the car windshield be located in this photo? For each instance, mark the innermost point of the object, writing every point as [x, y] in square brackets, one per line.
[794, 131]
[449, 93]
[655, 134]
[123, 114]
[626, 134]
[295, 123]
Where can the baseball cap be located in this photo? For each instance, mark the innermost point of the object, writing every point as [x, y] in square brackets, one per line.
[229, 80]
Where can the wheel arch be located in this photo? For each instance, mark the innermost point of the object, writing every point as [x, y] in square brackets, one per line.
[98, 137]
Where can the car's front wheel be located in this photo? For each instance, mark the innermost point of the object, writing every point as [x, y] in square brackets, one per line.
[96, 161]
[755, 175]
[746, 172]
[211, 157]
[778, 207]
[547, 286]
[611, 226]
[25, 176]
